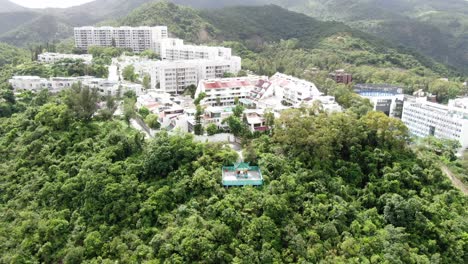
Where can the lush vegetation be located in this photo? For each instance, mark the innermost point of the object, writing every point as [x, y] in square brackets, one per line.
[338, 189]
[436, 28]
[183, 22]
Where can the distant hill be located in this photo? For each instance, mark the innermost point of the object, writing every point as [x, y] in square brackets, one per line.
[436, 28]
[41, 29]
[12, 20]
[183, 22]
[7, 6]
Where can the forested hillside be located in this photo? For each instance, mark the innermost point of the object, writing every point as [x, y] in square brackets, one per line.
[271, 39]
[7, 6]
[340, 188]
[437, 28]
[78, 185]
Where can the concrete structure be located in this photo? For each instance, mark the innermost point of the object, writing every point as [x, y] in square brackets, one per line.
[255, 120]
[340, 76]
[174, 49]
[292, 91]
[174, 76]
[223, 92]
[49, 57]
[385, 98]
[425, 118]
[57, 84]
[137, 39]
[242, 174]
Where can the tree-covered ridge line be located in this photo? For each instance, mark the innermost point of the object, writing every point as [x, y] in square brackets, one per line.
[339, 188]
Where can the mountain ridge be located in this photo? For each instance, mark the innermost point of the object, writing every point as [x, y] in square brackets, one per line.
[8, 6]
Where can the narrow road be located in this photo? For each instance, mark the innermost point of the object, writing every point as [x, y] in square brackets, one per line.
[455, 181]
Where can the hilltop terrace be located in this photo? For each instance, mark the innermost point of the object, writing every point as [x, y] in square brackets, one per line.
[242, 174]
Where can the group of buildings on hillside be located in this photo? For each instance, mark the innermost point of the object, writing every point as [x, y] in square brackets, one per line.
[420, 113]
[206, 67]
[57, 84]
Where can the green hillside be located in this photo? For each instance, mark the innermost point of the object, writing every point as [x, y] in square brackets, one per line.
[42, 29]
[436, 28]
[182, 22]
[339, 188]
[8, 6]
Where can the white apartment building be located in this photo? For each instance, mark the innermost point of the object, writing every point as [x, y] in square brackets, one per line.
[137, 39]
[175, 76]
[293, 91]
[174, 49]
[223, 92]
[424, 118]
[57, 84]
[27, 83]
[49, 57]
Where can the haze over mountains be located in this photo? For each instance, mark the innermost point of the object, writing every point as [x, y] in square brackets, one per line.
[436, 28]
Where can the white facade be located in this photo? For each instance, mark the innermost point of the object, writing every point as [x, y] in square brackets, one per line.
[175, 76]
[223, 92]
[425, 118]
[27, 83]
[57, 84]
[292, 90]
[49, 57]
[137, 39]
[174, 49]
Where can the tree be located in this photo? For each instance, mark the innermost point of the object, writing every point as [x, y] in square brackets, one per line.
[146, 81]
[152, 121]
[129, 109]
[198, 129]
[144, 112]
[82, 101]
[150, 54]
[129, 74]
[109, 110]
[236, 126]
[238, 111]
[166, 154]
[211, 129]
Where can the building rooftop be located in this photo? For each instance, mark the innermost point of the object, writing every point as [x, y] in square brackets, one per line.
[242, 174]
[377, 90]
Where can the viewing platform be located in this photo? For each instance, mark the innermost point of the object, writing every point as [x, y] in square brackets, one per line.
[242, 174]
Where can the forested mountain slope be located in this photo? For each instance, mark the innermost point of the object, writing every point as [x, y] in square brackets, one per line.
[271, 39]
[437, 28]
[339, 188]
[8, 6]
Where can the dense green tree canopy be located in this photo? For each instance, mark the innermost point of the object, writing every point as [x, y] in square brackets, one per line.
[339, 188]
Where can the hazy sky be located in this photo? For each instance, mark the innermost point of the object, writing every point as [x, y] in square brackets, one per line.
[50, 3]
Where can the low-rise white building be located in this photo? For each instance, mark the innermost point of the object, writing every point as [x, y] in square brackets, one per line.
[224, 91]
[49, 57]
[27, 83]
[293, 91]
[424, 118]
[174, 49]
[57, 84]
[175, 76]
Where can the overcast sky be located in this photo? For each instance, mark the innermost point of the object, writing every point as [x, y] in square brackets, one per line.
[50, 3]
